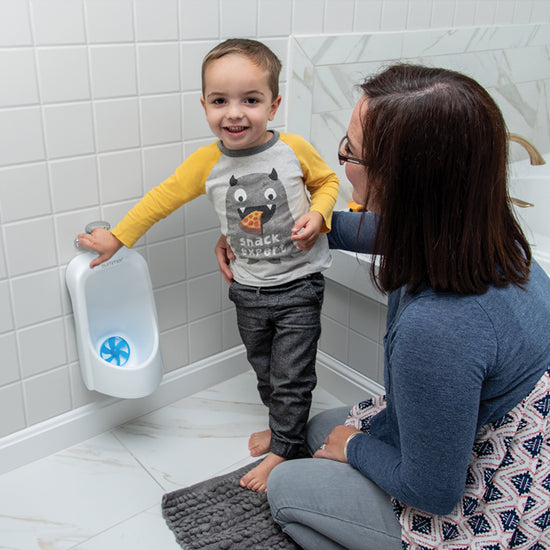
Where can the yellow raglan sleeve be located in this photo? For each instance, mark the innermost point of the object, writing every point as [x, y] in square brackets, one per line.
[321, 182]
[187, 183]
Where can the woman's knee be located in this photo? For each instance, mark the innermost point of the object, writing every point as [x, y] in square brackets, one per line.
[278, 483]
[281, 484]
[322, 424]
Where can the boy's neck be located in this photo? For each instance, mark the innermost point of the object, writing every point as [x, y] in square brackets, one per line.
[267, 136]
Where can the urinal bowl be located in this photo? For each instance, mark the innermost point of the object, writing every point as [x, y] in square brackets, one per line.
[116, 324]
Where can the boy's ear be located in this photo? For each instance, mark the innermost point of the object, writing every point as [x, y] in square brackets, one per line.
[274, 107]
[203, 103]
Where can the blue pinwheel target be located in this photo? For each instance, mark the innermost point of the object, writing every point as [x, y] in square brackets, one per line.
[115, 350]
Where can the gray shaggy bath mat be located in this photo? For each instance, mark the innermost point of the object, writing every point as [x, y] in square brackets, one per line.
[218, 514]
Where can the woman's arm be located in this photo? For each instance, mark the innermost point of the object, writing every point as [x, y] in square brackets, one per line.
[438, 359]
[353, 231]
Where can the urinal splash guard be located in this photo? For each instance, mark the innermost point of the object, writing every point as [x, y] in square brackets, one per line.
[116, 324]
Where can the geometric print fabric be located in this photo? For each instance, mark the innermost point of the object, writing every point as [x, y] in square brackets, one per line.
[506, 501]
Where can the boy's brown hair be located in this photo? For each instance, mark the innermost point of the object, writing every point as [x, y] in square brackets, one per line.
[257, 52]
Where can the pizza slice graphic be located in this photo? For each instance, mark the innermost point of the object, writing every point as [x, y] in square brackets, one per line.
[252, 223]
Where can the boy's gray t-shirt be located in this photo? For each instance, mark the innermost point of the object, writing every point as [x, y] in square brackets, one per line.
[259, 195]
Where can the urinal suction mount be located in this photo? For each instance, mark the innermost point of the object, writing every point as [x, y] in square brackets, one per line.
[90, 227]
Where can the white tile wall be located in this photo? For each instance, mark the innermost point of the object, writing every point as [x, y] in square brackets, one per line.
[167, 262]
[244, 25]
[100, 102]
[205, 337]
[156, 20]
[175, 348]
[353, 329]
[24, 192]
[46, 404]
[204, 296]
[30, 246]
[8, 350]
[15, 30]
[200, 253]
[120, 175]
[12, 408]
[36, 298]
[18, 66]
[68, 129]
[108, 21]
[56, 21]
[274, 17]
[172, 302]
[339, 16]
[200, 19]
[6, 316]
[307, 18]
[363, 356]
[42, 347]
[113, 71]
[155, 77]
[3, 269]
[21, 138]
[63, 74]
[117, 124]
[161, 119]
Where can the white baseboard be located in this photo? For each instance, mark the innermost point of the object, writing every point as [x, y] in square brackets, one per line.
[75, 426]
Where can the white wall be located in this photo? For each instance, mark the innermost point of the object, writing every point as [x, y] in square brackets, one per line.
[98, 103]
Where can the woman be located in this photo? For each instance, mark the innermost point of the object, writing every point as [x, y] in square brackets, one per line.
[467, 346]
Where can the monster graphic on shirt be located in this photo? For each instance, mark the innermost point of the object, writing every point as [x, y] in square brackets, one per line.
[258, 218]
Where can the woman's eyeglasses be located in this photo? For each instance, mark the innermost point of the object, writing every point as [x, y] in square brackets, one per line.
[344, 157]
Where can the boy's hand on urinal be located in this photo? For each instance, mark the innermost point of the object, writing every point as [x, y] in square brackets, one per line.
[103, 242]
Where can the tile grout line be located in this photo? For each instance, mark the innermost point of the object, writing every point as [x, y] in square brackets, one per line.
[125, 447]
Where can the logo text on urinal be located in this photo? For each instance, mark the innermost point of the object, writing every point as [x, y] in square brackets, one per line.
[111, 263]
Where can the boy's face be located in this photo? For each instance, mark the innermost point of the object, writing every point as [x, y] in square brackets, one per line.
[238, 102]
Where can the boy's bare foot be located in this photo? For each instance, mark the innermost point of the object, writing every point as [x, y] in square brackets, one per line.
[256, 479]
[259, 443]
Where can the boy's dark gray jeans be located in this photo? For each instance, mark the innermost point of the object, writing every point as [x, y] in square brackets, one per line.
[280, 327]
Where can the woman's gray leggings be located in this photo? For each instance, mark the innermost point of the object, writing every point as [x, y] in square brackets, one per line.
[324, 504]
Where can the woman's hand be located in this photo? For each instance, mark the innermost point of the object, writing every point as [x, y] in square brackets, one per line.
[101, 241]
[224, 255]
[333, 447]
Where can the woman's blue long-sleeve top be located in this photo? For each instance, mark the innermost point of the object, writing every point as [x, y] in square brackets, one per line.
[452, 364]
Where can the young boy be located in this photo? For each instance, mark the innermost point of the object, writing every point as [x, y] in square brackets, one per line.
[256, 180]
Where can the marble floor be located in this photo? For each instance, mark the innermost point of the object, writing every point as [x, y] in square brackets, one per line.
[105, 493]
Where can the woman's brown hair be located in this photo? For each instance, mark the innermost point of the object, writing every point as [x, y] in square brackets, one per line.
[435, 148]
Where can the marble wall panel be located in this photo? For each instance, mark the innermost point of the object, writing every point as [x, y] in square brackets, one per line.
[511, 61]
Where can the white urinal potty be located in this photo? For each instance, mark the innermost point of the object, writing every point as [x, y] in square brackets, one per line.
[116, 324]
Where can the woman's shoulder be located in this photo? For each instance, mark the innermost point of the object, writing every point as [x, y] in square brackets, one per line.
[432, 332]
[440, 316]
[496, 311]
